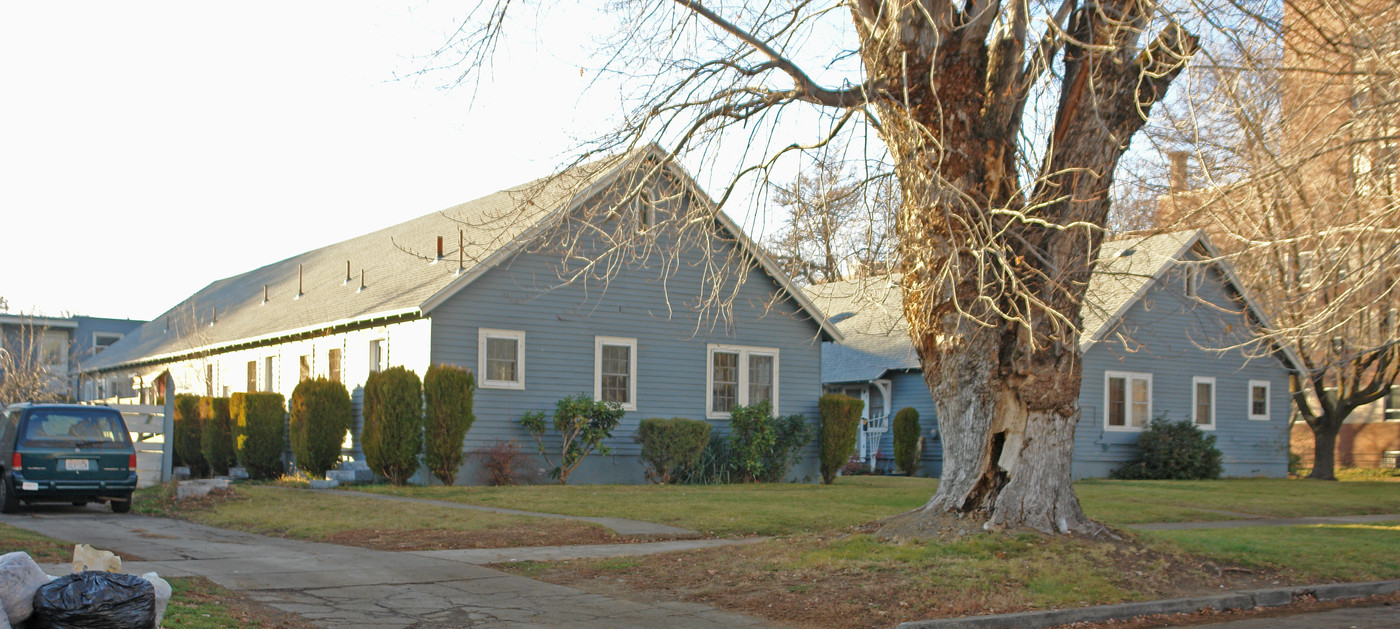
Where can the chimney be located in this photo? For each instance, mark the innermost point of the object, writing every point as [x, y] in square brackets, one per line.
[439, 256]
[1179, 171]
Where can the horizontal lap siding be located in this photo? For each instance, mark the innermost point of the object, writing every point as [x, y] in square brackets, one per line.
[1171, 338]
[907, 389]
[560, 326]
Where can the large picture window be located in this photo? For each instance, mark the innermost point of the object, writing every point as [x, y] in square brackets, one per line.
[615, 370]
[501, 358]
[740, 375]
[1127, 400]
[1203, 402]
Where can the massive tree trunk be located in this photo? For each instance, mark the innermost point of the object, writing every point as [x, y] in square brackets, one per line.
[994, 267]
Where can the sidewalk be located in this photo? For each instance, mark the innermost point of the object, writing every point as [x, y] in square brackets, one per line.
[341, 586]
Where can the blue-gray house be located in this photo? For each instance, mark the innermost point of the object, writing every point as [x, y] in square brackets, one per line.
[1168, 332]
[616, 279]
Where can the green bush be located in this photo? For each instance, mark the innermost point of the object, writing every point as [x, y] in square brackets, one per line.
[906, 440]
[393, 433]
[840, 421]
[260, 423]
[320, 415]
[583, 423]
[790, 435]
[712, 467]
[751, 437]
[671, 443]
[217, 442]
[448, 391]
[1169, 450]
[188, 434]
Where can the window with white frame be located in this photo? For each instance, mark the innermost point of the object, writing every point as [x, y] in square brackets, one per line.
[740, 375]
[615, 370]
[303, 368]
[1193, 280]
[269, 384]
[252, 376]
[501, 358]
[103, 340]
[333, 364]
[644, 211]
[1203, 402]
[376, 355]
[1392, 404]
[1127, 400]
[53, 351]
[1259, 400]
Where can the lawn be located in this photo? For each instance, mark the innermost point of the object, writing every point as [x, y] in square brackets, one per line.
[350, 520]
[1352, 552]
[1132, 502]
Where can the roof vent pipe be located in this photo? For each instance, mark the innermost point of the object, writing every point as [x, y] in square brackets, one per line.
[362, 281]
[461, 249]
[347, 273]
[299, 282]
[264, 293]
[439, 256]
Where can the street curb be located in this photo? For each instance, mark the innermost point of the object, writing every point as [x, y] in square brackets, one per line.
[1247, 599]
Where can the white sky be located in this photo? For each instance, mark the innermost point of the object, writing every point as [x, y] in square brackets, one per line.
[149, 149]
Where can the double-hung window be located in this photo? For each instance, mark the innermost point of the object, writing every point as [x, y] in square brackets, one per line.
[615, 370]
[252, 376]
[376, 355]
[1259, 400]
[269, 382]
[1127, 400]
[740, 375]
[501, 358]
[1203, 402]
[333, 364]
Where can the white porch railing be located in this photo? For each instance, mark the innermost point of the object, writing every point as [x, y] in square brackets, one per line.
[872, 430]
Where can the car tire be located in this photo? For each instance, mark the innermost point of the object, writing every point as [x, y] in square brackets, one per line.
[122, 505]
[9, 502]
[80, 503]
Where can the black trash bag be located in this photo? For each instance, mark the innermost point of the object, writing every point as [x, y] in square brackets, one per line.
[95, 600]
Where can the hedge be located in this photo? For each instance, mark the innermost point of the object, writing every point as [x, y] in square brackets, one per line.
[217, 442]
[670, 443]
[320, 415]
[188, 435]
[906, 440]
[1169, 450]
[840, 417]
[393, 432]
[260, 423]
[448, 392]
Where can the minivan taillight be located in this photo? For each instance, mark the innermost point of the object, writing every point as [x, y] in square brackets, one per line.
[131, 462]
[16, 462]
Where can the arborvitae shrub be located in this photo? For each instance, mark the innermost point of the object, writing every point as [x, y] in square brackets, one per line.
[260, 422]
[670, 443]
[1169, 450]
[320, 415]
[840, 421]
[448, 391]
[906, 440]
[217, 441]
[188, 433]
[393, 432]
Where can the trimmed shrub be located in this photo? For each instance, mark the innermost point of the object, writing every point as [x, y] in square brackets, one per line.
[1169, 450]
[790, 435]
[393, 433]
[502, 461]
[751, 438]
[320, 415]
[448, 391]
[712, 467]
[217, 442]
[840, 421]
[188, 435]
[906, 440]
[260, 423]
[670, 443]
[583, 423]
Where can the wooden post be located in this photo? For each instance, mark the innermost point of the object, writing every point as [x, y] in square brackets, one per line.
[167, 448]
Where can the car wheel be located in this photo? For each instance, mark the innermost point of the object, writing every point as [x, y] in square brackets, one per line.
[122, 505]
[80, 503]
[9, 502]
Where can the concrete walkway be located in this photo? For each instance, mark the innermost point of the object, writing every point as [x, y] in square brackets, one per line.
[1230, 524]
[342, 586]
[621, 526]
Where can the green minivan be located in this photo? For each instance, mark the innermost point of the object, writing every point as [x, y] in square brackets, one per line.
[66, 453]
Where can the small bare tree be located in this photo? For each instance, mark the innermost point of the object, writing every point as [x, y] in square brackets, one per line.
[838, 225]
[30, 359]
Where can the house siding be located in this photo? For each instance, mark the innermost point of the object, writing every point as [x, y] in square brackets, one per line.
[560, 324]
[908, 390]
[1169, 336]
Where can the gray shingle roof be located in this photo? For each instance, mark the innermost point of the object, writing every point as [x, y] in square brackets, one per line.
[397, 282]
[868, 311]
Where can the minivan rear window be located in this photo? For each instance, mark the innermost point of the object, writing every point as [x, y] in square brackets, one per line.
[74, 428]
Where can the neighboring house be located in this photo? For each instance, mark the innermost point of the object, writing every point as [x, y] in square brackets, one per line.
[506, 291]
[57, 346]
[1167, 334]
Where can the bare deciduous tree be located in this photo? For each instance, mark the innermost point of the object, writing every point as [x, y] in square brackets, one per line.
[839, 225]
[33, 367]
[1003, 123]
[1296, 140]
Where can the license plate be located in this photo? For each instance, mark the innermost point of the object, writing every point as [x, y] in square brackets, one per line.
[75, 465]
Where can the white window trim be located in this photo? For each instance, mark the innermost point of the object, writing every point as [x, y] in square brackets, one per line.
[519, 336]
[631, 344]
[383, 345]
[1194, 381]
[268, 367]
[1128, 377]
[743, 394]
[1268, 402]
